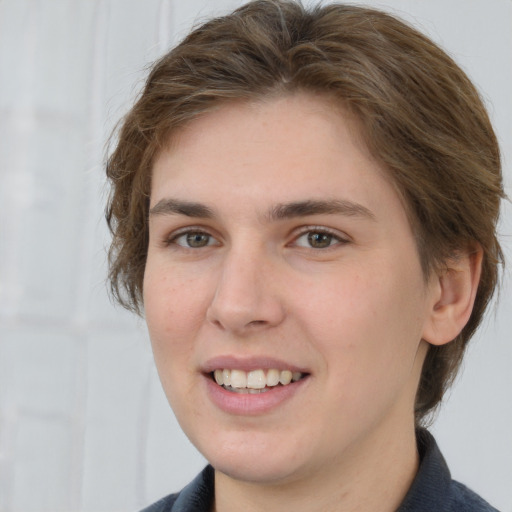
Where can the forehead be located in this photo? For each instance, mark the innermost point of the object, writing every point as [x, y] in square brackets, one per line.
[291, 137]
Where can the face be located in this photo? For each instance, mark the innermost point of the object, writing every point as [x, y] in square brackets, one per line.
[279, 250]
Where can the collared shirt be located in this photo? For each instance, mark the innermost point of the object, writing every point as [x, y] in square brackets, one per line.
[432, 490]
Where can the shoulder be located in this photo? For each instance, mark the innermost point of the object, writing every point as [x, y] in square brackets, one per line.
[433, 487]
[197, 496]
[162, 505]
[463, 499]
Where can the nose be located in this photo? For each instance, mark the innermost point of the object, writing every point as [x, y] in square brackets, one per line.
[246, 297]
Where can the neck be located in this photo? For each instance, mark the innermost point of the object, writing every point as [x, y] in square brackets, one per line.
[375, 476]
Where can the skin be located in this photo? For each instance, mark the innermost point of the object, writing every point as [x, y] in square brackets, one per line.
[355, 314]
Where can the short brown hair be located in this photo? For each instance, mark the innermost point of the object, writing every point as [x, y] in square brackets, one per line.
[420, 116]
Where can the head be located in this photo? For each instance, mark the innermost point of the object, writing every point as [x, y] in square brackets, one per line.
[417, 113]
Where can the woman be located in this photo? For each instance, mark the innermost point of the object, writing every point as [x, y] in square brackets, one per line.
[304, 205]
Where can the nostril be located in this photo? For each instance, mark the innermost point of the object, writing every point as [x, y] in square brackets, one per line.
[256, 322]
[247, 311]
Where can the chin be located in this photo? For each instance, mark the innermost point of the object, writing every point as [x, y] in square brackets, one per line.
[255, 471]
[252, 463]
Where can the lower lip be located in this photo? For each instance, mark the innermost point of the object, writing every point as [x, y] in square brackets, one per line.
[247, 404]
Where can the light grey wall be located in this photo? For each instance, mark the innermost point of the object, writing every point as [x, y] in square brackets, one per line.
[84, 425]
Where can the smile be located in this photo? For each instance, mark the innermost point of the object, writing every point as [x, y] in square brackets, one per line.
[255, 381]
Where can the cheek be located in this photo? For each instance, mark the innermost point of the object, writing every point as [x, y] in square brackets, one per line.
[174, 313]
[367, 329]
[174, 308]
[366, 319]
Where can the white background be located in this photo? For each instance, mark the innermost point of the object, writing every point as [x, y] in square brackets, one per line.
[84, 425]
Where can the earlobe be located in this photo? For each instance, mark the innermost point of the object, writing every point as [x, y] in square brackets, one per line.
[455, 290]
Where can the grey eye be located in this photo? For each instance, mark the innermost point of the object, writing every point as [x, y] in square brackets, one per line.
[198, 239]
[194, 240]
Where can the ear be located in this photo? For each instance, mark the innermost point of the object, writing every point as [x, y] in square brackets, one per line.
[453, 295]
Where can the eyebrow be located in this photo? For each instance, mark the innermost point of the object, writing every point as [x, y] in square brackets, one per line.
[319, 207]
[280, 211]
[179, 207]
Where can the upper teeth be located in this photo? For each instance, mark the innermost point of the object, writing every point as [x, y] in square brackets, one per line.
[255, 379]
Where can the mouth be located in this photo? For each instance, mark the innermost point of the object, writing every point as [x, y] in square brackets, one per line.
[254, 381]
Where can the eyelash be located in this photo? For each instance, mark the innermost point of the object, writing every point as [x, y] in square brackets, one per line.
[174, 237]
[320, 230]
[305, 231]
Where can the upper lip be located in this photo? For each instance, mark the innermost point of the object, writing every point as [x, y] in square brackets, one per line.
[248, 364]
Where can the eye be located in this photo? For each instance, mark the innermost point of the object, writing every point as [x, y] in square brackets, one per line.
[193, 240]
[318, 239]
